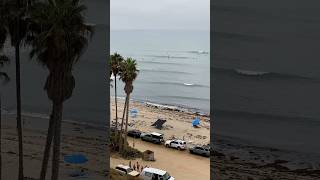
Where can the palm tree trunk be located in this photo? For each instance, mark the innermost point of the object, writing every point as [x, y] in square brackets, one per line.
[0, 139]
[116, 102]
[127, 118]
[46, 153]
[121, 131]
[124, 111]
[19, 127]
[56, 140]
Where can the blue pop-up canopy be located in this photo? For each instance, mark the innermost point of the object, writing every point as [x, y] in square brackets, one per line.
[75, 159]
[196, 122]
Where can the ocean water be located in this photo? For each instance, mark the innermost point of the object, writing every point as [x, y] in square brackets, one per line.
[266, 73]
[174, 66]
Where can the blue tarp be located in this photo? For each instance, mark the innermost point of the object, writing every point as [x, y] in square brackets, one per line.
[196, 122]
[75, 159]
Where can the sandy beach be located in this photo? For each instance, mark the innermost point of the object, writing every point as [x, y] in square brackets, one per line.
[231, 159]
[180, 164]
[80, 139]
[178, 125]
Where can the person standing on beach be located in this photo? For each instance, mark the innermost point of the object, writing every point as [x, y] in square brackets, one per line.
[138, 166]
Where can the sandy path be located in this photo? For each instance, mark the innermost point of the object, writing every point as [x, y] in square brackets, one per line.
[180, 164]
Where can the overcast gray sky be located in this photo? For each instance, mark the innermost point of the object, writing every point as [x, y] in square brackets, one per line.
[160, 14]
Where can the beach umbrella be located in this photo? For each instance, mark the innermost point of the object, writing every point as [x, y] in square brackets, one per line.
[75, 159]
[134, 113]
[196, 122]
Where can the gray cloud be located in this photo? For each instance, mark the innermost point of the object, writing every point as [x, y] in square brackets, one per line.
[160, 14]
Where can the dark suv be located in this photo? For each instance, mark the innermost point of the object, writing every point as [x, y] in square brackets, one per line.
[134, 133]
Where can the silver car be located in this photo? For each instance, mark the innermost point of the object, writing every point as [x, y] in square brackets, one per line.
[200, 150]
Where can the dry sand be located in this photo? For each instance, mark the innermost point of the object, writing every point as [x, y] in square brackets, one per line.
[75, 139]
[180, 164]
[178, 123]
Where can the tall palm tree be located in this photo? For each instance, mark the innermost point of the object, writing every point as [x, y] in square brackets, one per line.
[115, 61]
[15, 11]
[128, 73]
[58, 36]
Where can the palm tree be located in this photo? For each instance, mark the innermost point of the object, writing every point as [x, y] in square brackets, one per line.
[58, 36]
[128, 73]
[17, 28]
[115, 61]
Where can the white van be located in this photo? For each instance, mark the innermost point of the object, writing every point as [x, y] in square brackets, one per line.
[126, 170]
[155, 174]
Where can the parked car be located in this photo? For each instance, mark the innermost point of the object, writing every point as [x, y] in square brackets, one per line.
[200, 150]
[176, 143]
[134, 133]
[153, 137]
[126, 170]
[153, 173]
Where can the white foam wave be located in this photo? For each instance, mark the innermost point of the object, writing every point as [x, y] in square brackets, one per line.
[188, 84]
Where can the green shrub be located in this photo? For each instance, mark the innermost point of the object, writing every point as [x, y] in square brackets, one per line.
[128, 153]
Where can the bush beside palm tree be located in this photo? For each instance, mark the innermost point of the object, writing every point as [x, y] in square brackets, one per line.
[58, 36]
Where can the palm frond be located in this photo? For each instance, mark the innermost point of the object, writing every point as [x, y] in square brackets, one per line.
[4, 76]
[128, 70]
[4, 60]
[115, 62]
[57, 31]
